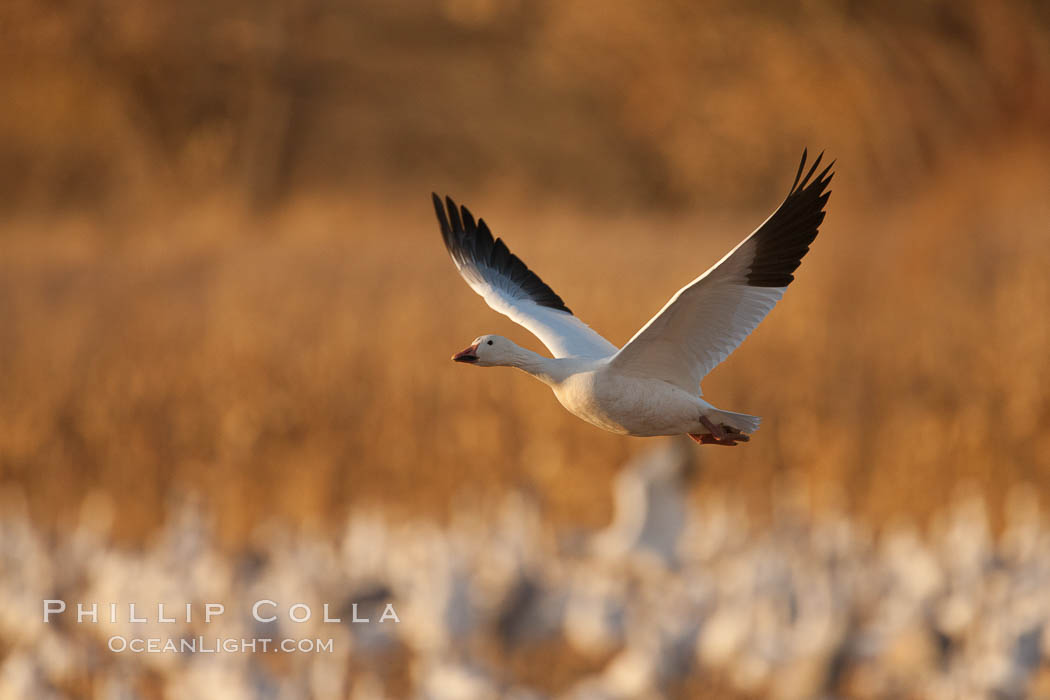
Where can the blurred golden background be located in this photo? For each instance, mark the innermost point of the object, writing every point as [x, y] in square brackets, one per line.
[220, 274]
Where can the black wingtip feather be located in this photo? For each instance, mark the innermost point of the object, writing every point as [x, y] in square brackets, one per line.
[471, 243]
[439, 209]
[453, 215]
[468, 218]
[785, 238]
[798, 175]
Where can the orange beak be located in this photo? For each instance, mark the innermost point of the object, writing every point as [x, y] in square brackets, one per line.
[470, 355]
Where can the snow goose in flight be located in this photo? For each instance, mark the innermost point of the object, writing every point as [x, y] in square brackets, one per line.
[650, 386]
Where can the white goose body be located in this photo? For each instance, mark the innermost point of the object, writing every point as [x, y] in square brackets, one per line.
[650, 386]
[631, 405]
[624, 404]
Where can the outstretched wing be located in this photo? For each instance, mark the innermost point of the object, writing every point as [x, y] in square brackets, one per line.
[510, 287]
[709, 318]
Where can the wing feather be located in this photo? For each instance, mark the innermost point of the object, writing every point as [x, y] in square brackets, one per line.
[711, 316]
[511, 288]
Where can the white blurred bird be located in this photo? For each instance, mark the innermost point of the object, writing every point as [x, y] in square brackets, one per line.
[650, 505]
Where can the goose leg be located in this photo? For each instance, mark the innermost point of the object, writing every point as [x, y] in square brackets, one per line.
[716, 430]
[720, 434]
[734, 434]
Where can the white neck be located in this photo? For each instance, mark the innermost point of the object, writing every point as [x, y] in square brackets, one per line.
[548, 370]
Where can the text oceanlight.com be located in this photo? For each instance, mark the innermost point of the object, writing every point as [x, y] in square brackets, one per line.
[217, 645]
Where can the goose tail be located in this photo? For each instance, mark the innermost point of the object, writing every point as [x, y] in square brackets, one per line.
[741, 421]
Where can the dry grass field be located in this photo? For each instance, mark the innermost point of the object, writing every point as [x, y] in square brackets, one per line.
[297, 363]
[219, 271]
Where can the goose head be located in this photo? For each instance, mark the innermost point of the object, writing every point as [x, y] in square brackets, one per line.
[488, 351]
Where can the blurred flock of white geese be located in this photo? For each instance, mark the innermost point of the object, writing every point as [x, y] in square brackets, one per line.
[674, 593]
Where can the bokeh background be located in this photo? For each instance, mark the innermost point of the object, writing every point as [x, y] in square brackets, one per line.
[221, 281]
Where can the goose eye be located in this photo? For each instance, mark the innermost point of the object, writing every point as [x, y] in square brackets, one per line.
[490, 342]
